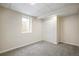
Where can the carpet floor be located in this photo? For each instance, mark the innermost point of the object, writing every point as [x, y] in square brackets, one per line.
[44, 48]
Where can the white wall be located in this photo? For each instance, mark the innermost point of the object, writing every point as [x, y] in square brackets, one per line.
[70, 29]
[10, 30]
[63, 29]
[50, 29]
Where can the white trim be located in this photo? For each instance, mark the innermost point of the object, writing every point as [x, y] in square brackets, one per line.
[52, 42]
[18, 47]
[71, 44]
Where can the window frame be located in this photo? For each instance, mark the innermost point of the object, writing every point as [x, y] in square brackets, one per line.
[28, 19]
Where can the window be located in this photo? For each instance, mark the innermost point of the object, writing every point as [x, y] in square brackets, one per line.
[26, 24]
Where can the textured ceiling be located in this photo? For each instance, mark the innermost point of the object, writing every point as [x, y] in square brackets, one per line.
[43, 9]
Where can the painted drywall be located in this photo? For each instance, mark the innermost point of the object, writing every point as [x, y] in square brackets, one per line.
[50, 29]
[59, 28]
[10, 30]
[70, 29]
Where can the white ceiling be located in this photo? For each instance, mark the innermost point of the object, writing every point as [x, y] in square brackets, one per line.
[44, 9]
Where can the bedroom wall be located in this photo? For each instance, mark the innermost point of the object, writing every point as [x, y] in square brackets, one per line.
[70, 29]
[50, 29]
[10, 30]
[53, 29]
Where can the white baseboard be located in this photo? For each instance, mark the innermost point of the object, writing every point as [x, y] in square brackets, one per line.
[18, 47]
[71, 44]
[52, 42]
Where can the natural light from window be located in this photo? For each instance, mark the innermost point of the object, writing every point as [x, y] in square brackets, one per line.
[26, 24]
